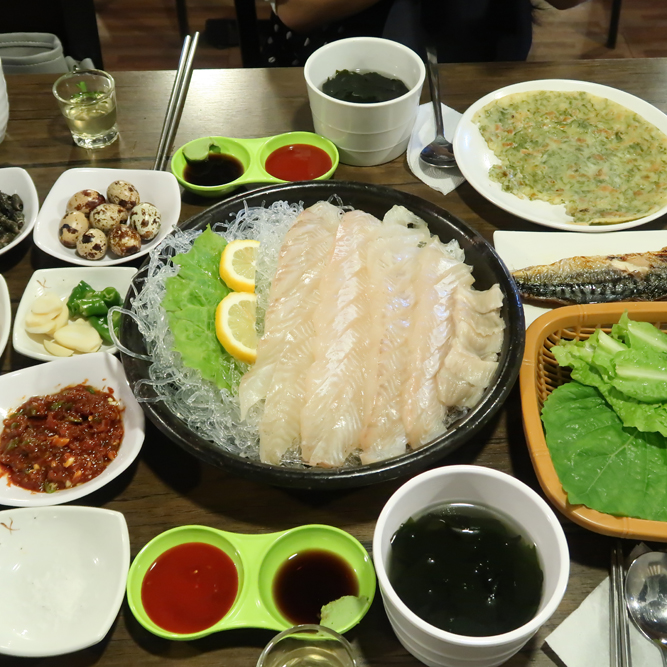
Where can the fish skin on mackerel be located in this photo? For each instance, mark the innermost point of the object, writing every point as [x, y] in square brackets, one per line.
[595, 279]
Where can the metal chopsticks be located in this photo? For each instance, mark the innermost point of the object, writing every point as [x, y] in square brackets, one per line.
[179, 92]
[619, 637]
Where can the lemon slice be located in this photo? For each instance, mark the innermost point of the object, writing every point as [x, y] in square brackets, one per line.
[237, 265]
[235, 325]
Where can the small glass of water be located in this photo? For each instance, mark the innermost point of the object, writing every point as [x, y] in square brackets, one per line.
[307, 646]
[87, 99]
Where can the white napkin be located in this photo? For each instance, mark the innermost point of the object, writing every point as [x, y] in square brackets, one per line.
[582, 639]
[423, 133]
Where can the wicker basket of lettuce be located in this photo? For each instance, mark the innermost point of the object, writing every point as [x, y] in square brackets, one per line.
[594, 397]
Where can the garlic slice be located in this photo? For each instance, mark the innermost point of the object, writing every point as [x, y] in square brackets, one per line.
[79, 336]
[57, 350]
[47, 303]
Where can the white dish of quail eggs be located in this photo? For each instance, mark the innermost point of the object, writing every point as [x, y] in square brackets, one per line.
[104, 217]
[46, 328]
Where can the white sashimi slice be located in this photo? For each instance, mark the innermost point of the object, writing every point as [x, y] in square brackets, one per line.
[430, 336]
[392, 263]
[293, 295]
[332, 417]
[471, 363]
[280, 425]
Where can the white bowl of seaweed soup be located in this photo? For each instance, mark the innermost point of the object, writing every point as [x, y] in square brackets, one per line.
[467, 569]
[492, 498]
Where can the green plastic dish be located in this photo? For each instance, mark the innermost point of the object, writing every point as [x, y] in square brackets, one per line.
[252, 153]
[257, 559]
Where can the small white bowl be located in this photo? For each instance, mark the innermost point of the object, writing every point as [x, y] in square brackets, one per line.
[62, 282]
[5, 314]
[365, 134]
[62, 575]
[160, 188]
[17, 181]
[482, 486]
[100, 370]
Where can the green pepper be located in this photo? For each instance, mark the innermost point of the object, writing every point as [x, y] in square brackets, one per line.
[101, 325]
[87, 302]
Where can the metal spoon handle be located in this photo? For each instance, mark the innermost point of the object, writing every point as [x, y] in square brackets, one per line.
[434, 87]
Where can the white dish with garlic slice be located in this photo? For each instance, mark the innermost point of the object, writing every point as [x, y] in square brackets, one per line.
[43, 328]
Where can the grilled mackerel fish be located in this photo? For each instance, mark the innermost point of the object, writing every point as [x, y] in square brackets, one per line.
[596, 279]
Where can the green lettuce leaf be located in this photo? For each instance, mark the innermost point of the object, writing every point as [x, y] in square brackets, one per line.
[190, 300]
[600, 462]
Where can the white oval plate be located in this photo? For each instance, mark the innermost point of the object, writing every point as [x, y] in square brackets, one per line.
[520, 250]
[62, 282]
[62, 573]
[5, 314]
[474, 158]
[17, 181]
[100, 370]
[157, 187]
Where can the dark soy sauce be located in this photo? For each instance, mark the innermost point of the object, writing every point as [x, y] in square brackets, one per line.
[308, 580]
[466, 569]
[216, 169]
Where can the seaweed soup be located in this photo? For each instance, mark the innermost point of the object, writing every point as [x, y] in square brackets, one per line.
[467, 569]
[362, 87]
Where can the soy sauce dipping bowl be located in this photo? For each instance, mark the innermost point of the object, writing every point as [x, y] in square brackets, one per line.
[508, 496]
[257, 559]
[252, 154]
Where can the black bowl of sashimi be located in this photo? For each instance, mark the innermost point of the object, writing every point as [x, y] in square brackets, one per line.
[488, 269]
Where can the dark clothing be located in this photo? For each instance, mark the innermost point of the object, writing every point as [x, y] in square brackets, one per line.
[462, 30]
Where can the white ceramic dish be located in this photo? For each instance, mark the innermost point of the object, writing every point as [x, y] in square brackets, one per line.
[521, 249]
[5, 315]
[62, 282]
[474, 158]
[62, 574]
[99, 370]
[157, 187]
[365, 134]
[509, 496]
[14, 180]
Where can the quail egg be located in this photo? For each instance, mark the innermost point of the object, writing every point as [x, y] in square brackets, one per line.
[71, 227]
[124, 194]
[124, 241]
[92, 244]
[85, 201]
[146, 219]
[107, 216]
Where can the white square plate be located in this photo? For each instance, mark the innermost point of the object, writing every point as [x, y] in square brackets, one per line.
[62, 282]
[99, 370]
[5, 315]
[17, 181]
[522, 249]
[160, 188]
[62, 574]
[474, 158]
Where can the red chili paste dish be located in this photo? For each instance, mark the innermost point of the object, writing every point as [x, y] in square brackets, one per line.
[61, 440]
[190, 587]
[298, 162]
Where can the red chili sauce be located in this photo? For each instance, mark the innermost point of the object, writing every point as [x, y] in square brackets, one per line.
[298, 162]
[189, 587]
[308, 580]
[61, 440]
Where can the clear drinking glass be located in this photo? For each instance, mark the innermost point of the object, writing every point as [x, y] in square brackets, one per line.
[307, 646]
[87, 99]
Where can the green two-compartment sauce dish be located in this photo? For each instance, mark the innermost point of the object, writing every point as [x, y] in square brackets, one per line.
[192, 581]
[214, 166]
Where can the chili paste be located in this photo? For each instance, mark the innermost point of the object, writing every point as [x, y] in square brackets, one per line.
[61, 440]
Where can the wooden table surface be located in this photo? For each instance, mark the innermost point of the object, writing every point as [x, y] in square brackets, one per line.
[167, 487]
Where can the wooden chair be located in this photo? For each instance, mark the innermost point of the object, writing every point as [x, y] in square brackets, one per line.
[613, 24]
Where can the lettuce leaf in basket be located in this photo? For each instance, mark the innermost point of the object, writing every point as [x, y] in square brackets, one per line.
[190, 301]
[600, 462]
[629, 367]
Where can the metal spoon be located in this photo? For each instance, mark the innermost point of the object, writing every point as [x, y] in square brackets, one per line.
[646, 597]
[440, 152]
